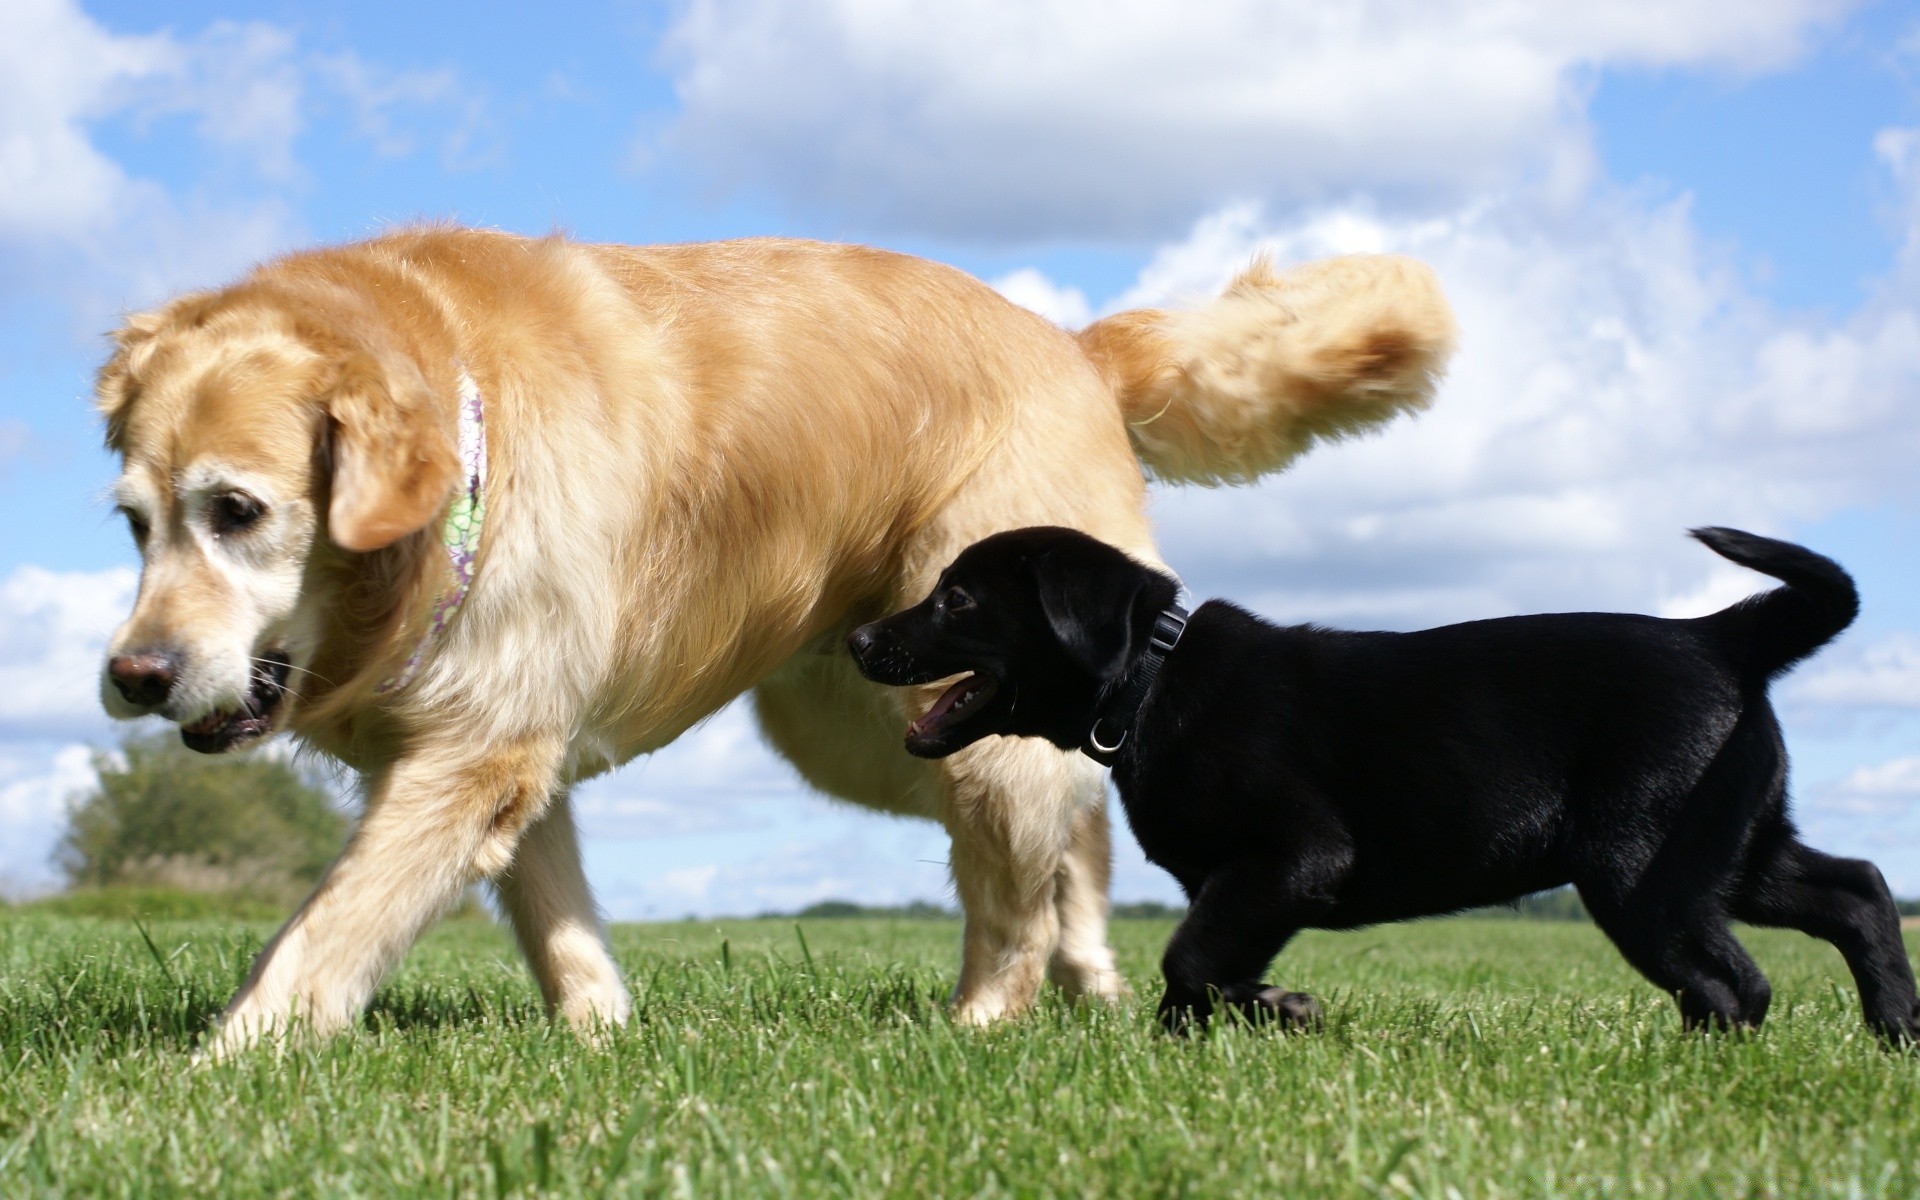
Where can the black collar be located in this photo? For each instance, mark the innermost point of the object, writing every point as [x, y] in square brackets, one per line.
[1113, 719]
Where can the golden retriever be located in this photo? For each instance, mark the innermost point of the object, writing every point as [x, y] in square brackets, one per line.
[703, 465]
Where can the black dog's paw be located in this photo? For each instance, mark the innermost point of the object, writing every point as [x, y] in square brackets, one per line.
[1183, 1014]
[1900, 1032]
[1290, 1010]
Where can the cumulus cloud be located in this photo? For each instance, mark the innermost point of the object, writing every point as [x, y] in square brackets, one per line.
[1888, 789]
[891, 867]
[58, 69]
[1028, 118]
[36, 782]
[1617, 384]
[54, 627]
[62, 73]
[717, 777]
[1901, 777]
[1029, 288]
[1882, 674]
[76, 223]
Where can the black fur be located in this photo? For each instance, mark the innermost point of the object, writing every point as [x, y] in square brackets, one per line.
[1297, 777]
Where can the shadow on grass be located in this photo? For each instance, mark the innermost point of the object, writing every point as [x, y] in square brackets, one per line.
[110, 1022]
[412, 1009]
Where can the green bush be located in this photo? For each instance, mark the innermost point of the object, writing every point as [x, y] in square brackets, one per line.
[162, 816]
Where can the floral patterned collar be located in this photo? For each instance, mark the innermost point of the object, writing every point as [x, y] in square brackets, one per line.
[460, 534]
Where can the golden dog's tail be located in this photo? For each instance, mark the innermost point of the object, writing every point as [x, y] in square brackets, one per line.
[1237, 388]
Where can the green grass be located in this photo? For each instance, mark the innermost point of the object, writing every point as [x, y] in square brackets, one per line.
[1469, 1057]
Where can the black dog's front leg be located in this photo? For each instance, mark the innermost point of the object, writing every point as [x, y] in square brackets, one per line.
[1240, 918]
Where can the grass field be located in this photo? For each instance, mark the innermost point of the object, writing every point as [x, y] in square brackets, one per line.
[1468, 1057]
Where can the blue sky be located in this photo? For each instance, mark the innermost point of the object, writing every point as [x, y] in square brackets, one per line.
[1683, 238]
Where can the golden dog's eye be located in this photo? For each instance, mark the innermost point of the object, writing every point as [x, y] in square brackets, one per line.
[232, 512]
[136, 523]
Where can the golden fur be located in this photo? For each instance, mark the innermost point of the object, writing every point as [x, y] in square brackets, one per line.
[706, 464]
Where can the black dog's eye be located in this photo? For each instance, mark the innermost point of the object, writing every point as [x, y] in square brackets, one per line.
[232, 512]
[954, 600]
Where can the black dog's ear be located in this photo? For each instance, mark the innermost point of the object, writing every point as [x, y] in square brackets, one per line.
[1090, 605]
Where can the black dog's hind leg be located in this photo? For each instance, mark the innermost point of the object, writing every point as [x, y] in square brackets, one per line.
[1665, 904]
[1844, 901]
[1684, 946]
[1241, 917]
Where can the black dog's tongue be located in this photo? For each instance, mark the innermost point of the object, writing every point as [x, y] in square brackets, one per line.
[951, 703]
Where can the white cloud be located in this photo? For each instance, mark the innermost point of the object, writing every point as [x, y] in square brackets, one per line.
[77, 225]
[1901, 777]
[853, 865]
[243, 86]
[1034, 117]
[1885, 674]
[1617, 384]
[36, 782]
[392, 107]
[718, 776]
[1028, 288]
[61, 71]
[1899, 152]
[53, 630]
[1725, 584]
[1884, 790]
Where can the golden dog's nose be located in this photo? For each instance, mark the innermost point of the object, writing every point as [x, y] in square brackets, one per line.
[144, 678]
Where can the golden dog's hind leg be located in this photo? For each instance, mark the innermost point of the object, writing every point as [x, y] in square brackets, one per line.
[435, 823]
[1028, 824]
[1011, 808]
[545, 894]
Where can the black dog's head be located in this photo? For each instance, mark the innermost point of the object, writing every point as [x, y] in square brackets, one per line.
[1042, 622]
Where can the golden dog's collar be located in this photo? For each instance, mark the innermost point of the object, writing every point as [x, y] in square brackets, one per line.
[460, 533]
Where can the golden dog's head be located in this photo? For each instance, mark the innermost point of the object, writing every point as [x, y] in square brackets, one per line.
[273, 436]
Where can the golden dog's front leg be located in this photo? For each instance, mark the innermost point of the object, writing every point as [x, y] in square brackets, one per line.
[436, 821]
[546, 896]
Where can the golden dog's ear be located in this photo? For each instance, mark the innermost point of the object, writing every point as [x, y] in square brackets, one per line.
[395, 453]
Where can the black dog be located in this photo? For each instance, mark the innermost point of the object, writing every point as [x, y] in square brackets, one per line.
[1296, 777]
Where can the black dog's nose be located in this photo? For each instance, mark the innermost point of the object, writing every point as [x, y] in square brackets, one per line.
[144, 678]
[860, 641]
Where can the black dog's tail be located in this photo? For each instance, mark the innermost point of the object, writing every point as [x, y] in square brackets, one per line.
[1783, 626]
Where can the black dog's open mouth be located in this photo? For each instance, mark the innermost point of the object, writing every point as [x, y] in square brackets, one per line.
[954, 706]
[223, 729]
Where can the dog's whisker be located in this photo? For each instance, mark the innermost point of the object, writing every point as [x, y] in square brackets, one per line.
[274, 662]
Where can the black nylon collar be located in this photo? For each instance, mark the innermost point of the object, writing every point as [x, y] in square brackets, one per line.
[1113, 720]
